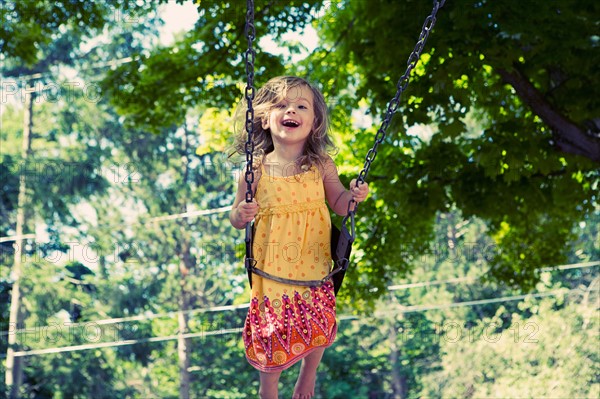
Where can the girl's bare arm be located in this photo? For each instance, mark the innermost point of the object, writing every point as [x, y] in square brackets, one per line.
[335, 192]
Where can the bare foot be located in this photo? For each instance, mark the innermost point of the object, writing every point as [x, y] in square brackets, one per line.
[269, 385]
[305, 386]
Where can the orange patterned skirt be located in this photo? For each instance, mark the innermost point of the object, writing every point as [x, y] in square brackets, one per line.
[281, 332]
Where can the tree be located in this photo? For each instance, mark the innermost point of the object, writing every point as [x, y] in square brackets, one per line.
[204, 67]
[510, 139]
[30, 27]
[549, 354]
[30, 62]
[177, 264]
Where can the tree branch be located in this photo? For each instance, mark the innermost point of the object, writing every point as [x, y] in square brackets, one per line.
[568, 136]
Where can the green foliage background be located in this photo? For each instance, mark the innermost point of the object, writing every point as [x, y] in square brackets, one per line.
[475, 196]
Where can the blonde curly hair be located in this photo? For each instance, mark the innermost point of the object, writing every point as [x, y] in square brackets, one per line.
[319, 143]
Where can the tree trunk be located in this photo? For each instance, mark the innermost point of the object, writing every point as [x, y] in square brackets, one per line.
[186, 263]
[14, 365]
[183, 348]
[568, 136]
[399, 388]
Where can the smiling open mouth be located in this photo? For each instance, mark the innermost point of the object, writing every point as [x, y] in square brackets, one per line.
[290, 123]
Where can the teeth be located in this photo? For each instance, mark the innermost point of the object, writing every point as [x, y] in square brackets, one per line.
[290, 123]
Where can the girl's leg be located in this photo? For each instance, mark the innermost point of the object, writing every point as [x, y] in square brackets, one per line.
[269, 385]
[305, 386]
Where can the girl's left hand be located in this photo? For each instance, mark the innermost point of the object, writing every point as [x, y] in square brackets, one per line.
[359, 193]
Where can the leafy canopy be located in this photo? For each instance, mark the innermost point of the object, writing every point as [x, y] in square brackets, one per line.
[512, 125]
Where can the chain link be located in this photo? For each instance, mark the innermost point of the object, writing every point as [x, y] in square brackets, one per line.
[250, 56]
[395, 101]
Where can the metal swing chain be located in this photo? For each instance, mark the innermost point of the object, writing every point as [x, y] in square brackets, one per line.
[250, 56]
[395, 101]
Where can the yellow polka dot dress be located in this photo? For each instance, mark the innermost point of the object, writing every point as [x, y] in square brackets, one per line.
[291, 240]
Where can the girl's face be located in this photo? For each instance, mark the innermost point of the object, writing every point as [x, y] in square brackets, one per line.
[292, 119]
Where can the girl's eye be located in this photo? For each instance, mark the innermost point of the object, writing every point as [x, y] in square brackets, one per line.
[303, 107]
[280, 105]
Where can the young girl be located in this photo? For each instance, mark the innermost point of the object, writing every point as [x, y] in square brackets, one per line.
[294, 176]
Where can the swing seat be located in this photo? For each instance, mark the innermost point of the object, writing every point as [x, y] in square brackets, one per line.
[341, 247]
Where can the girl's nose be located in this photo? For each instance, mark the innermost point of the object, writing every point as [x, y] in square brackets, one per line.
[290, 109]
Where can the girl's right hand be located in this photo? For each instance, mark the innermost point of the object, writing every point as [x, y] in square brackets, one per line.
[247, 211]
